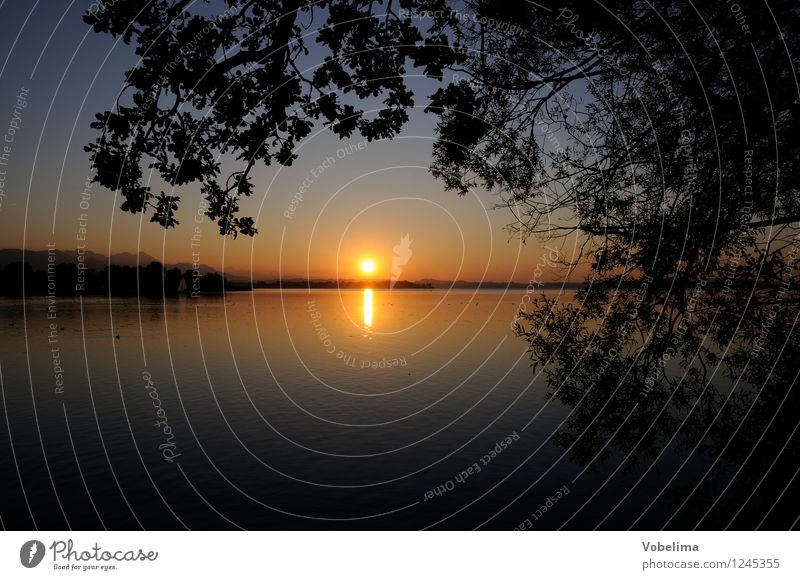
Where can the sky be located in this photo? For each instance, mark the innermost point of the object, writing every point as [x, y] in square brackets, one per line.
[359, 198]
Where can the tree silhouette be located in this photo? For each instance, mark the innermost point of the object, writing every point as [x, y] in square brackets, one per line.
[12, 277]
[670, 152]
[241, 83]
[661, 138]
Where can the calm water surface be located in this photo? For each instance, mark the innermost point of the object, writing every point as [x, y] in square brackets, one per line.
[292, 409]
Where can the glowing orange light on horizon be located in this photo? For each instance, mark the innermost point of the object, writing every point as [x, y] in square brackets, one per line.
[368, 266]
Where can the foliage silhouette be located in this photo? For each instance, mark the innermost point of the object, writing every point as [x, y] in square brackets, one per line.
[660, 139]
[239, 83]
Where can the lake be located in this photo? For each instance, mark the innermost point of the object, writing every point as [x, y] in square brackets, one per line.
[360, 409]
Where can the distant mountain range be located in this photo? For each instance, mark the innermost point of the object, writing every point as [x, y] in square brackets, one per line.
[38, 260]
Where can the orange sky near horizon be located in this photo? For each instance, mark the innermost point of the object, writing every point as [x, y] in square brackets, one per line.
[339, 203]
[346, 216]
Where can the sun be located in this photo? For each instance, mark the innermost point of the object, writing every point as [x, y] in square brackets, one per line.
[368, 266]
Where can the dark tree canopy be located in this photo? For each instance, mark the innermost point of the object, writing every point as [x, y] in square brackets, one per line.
[662, 137]
[241, 82]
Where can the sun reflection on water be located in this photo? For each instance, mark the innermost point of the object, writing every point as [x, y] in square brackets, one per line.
[368, 308]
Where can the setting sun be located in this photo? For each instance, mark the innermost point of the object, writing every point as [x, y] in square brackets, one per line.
[368, 266]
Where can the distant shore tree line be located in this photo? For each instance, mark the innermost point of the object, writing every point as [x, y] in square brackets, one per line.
[155, 280]
[151, 281]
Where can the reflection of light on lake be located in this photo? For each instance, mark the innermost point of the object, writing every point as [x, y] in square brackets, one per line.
[368, 308]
